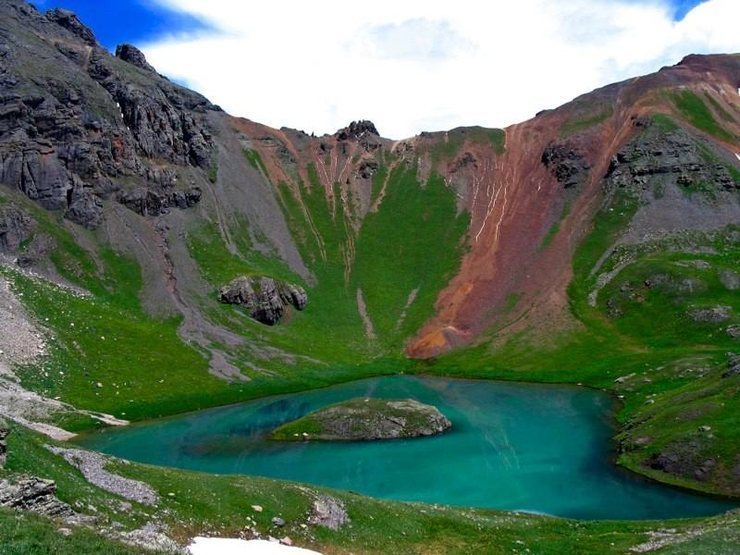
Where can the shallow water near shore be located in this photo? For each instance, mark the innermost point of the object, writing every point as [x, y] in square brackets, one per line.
[527, 447]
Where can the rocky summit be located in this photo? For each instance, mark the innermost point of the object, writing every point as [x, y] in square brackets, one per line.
[157, 255]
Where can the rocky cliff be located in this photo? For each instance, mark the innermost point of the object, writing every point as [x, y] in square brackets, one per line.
[80, 128]
[77, 125]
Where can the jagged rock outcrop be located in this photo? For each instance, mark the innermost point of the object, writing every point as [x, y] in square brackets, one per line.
[162, 118]
[357, 130]
[148, 202]
[67, 143]
[129, 53]
[71, 22]
[33, 494]
[674, 155]
[16, 226]
[265, 298]
[366, 420]
[363, 131]
[568, 166]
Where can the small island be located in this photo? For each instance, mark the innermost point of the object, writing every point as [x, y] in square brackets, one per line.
[364, 419]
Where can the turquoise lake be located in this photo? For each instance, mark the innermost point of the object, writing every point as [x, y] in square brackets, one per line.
[525, 447]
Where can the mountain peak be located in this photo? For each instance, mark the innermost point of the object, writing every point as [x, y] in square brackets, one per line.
[356, 130]
[129, 53]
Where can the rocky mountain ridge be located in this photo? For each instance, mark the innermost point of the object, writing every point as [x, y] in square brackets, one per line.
[73, 136]
[101, 128]
[594, 244]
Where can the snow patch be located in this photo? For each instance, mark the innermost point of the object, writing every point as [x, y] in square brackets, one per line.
[233, 546]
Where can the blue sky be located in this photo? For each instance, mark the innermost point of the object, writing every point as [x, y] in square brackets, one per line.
[407, 65]
[133, 21]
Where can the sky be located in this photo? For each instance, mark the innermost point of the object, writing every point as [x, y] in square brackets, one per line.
[407, 65]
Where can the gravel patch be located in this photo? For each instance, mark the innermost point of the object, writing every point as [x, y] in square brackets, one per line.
[20, 341]
[152, 538]
[92, 467]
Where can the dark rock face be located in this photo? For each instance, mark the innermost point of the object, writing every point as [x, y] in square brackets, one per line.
[33, 494]
[568, 166]
[356, 130]
[67, 143]
[264, 298]
[678, 464]
[71, 23]
[674, 155]
[15, 227]
[148, 202]
[129, 53]
[367, 169]
[160, 118]
[85, 208]
[3, 447]
[364, 132]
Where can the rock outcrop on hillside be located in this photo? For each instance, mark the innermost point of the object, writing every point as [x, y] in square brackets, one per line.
[129, 53]
[78, 125]
[568, 166]
[33, 494]
[4, 431]
[673, 155]
[265, 298]
[149, 202]
[16, 226]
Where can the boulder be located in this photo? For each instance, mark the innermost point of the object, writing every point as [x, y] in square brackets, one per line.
[263, 297]
[86, 209]
[733, 365]
[328, 512]
[712, 314]
[16, 226]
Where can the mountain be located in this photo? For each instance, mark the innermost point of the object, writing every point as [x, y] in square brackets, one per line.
[164, 256]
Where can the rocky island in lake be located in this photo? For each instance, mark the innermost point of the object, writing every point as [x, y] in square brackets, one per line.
[365, 419]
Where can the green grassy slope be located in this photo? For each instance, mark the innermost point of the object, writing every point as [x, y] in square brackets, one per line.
[194, 503]
[655, 332]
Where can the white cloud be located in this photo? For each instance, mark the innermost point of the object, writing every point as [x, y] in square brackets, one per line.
[413, 65]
